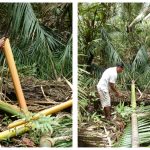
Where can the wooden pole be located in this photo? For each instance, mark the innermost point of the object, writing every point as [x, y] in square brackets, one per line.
[12, 67]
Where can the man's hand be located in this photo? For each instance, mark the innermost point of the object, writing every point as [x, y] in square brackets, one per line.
[2, 42]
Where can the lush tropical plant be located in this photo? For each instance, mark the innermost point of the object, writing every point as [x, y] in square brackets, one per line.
[104, 41]
[36, 41]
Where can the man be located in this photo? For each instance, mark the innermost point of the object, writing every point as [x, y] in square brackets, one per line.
[2, 42]
[107, 80]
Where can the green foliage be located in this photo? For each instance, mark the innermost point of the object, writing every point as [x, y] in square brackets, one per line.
[6, 120]
[54, 126]
[123, 110]
[143, 130]
[110, 43]
[27, 70]
[84, 82]
[44, 124]
[94, 117]
[64, 129]
[125, 140]
[37, 44]
[65, 59]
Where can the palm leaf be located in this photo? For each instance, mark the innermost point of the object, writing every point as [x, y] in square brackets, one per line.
[36, 44]
[143, 130]
[24, 17]
[109, 49]
[66, 58]
[140, 60]
[125, 140]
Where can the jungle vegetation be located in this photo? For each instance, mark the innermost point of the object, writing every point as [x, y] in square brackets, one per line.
[40, 36]
[110, 33]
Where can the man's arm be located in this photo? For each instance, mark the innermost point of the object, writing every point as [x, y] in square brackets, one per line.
[112, 86]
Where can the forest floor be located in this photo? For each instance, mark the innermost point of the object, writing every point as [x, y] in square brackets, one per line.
[95, 131]
[39, 95]
[100, 132]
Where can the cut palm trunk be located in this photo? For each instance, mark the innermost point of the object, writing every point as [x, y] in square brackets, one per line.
[14, 75]
[133, 98]
[17, 130]
[46, 112]
[14, 110]
[135, 137]
[47, 141]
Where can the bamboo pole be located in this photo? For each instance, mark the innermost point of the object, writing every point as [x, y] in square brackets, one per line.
[135, 137]
[45, 112]
[20, 129]
[14, 75]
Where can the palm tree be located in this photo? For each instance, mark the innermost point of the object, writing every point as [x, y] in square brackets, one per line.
[35, 43]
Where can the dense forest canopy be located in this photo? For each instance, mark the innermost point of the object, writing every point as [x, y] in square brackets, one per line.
[41, 37]
[108, 33]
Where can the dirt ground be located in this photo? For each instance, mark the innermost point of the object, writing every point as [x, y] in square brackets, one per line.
[39, 94]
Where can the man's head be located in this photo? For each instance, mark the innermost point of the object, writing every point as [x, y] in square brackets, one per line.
[120, 67]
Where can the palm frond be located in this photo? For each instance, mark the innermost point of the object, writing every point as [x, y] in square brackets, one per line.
[141, 60]
[109, 49]
[125, 140]
[65, 59]
[24, 17]
[37, 44]
[143, 130]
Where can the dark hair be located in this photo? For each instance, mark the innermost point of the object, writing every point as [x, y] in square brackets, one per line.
[120, 65]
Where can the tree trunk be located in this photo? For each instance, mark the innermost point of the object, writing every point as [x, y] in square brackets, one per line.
[135, 137]
[144, 12]
[133, 98]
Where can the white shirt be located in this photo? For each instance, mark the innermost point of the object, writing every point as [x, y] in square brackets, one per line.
[109, 75]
